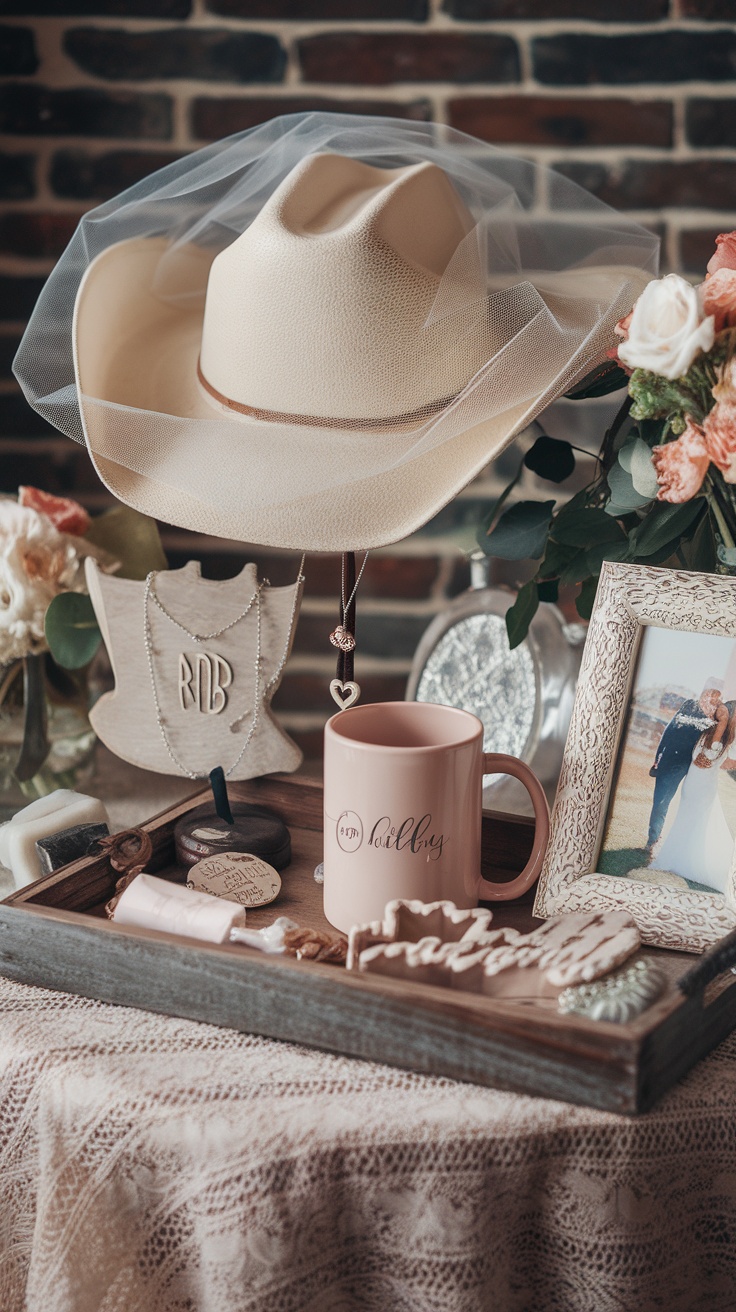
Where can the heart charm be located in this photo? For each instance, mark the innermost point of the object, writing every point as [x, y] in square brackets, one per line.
[344, 694]
[342, 638]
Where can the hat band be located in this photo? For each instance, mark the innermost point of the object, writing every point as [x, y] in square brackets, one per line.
[406, 420]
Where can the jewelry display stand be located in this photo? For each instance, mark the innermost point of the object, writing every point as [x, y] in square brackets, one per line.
[196, 662]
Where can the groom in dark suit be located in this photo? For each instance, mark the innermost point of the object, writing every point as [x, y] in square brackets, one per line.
[675, 751]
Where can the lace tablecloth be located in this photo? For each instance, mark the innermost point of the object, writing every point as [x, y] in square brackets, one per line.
[150, 1164]
[156, 1165]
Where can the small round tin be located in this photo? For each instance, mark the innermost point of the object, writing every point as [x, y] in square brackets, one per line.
[201, 833]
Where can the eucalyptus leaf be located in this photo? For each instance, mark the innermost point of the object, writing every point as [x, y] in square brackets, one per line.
[583, 528]
[700, 552]
[556, 557]
[551, 458]
[520, 615]
[642, 472]
[665, 524]
[589, 562]
[72, 631]
[130, 538]
[727, 555]
[624, 497]
[521, 532]
[585, 599]
[494, 508]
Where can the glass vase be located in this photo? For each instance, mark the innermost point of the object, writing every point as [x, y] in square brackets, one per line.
[46, 740]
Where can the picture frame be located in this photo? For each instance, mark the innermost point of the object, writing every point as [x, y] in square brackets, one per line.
[630, 600]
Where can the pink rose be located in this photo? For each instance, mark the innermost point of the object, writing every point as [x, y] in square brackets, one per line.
[623, 325]
[724, 256]
[681, 466]
[719, 297]
[66, 515]
[720, 437]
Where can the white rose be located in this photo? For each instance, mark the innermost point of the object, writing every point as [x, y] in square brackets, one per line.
[667, 329]
[36, 563]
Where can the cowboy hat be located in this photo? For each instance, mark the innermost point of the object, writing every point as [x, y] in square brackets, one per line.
[314, 334]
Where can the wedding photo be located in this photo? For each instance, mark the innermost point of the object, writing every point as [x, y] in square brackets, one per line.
[672, 814]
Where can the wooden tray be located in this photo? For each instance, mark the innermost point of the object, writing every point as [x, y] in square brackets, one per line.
[54, 934]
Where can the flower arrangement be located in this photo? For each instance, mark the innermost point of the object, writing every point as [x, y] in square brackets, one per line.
[664, 486]
[47, 623]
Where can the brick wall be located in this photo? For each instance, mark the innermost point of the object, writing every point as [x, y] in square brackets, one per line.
[635, 99]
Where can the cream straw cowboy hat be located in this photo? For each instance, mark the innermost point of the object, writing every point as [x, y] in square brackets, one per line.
[314, 334]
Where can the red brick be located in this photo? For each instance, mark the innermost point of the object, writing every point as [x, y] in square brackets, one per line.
[95, 8]
[29, 109]
[696, 247]
[713, 10]
[17, 176]
[385, 633]
[78, 175]
[570, 121]
[315, 11]
[31, 234]
[711, 122]
[18, 56]
[17, 419]
[573, 59]
[378, 59]
[8, 347]
[211, 54]
[311, 692]
[657, 184]
[624, 11]
[212, 118]
[18, 296]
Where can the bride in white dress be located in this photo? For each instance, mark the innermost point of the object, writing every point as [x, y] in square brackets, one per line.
[699, 846]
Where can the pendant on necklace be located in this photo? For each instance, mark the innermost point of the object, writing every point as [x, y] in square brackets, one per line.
[342, 638]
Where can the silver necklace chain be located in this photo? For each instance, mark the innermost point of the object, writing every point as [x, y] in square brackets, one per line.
[201, 637]
[347, 604]
[258, 695]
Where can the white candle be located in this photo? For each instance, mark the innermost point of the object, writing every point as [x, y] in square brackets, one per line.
[48, 815]
[151, 903]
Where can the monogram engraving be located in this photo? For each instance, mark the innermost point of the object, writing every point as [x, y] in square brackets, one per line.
[203, 679]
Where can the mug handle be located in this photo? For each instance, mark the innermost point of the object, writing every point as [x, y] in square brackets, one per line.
[498, 763]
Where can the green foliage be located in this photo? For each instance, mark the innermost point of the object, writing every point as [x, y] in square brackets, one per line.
[130, 538]
[585, 598]
[579, 527]
[550, 459]
[72, 632]
[618, 517]
[520, 615]
[521, 532]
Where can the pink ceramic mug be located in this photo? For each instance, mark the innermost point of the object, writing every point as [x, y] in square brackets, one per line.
[403, 806]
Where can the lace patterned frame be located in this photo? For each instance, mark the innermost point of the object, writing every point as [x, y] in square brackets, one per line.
[629, 598]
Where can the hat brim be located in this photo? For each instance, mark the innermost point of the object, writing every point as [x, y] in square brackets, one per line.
[135, 359]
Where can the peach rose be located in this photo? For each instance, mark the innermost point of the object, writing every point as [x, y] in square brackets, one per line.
[719, 298]
[720, 438]
[681, 466]
[724, 256]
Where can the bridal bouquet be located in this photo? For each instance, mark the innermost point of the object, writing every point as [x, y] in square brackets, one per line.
[47, 623]
[664, 486]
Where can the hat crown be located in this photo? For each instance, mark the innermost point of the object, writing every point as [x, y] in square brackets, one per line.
[320, 308]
